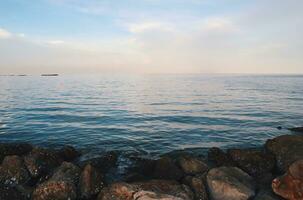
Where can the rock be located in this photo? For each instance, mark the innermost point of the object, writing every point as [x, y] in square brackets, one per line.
[297, 129]
[143, 166]
[10, 193]
[41, 161]
[254, 162]
[90, 183]
[198, 187]
[14, 149]
[230, 183]
[154, 189]
[219, 157]
[102, 163]
[61, 186]
[290, 185]
[165, 168]
[13, 171]
[69, 153]
[192, 165]
[266, 195]
[287, 149]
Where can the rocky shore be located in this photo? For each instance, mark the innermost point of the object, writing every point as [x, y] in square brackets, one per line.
[272, 172]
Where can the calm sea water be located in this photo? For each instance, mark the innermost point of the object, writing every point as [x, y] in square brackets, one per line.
[149, 113]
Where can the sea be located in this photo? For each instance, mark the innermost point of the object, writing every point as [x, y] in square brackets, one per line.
[149, 114]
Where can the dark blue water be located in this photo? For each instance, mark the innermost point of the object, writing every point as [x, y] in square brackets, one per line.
[149, 113]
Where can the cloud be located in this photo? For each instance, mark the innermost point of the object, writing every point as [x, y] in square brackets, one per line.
[55, 42]
[4, 34]
[148, 26]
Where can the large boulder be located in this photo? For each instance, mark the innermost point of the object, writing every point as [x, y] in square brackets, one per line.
[154, 189]
[196, 183]
[41, 161]
[69, 153]
[191, 165]
[61, 186]
[166, 168]
[219, 158]
[254, 162]
[13, 171]
[230, 183]
[290, 185]
[90, 183]
[287, 149]
[14, 149]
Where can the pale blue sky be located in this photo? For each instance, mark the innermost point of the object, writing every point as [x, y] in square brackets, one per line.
[151, 36]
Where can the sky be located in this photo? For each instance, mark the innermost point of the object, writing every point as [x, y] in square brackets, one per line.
[151, 36]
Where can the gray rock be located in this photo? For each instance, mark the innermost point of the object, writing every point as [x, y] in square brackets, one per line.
[230, 183]
[287, 149]
[191, 165]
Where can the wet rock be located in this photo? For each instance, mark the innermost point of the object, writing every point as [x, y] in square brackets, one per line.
[13, 171]
[90, 183]
[254, 162]
[287, 149]
[192, 165]
[230, 183]
[142, 167]
[166, 168]
[61, 186]
[69, 153]
[102, 163]
[41, 161]
[10, 193]
[154, 189]
[14, 149]
[266, 195]
[290, 185]
[297, 129]
[219, 157]
[197, 186]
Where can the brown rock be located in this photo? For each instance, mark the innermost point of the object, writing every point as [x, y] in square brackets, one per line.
[69, 153]
[198, 187]
[13, 171]
[287, 149]
[290, 185]
[61, 186]
[254, 162]
[191, 165]
[230, 183]
[10, 193]
[91, 182]
[165, 168]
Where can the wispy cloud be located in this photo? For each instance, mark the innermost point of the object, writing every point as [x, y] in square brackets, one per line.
[4, 34]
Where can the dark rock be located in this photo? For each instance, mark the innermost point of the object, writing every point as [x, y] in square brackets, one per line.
[226, 183]
[61, 186]
[41, 161]
[290, 185]
[102, 163]
[191, 165]
[91, 182]
[13, 171]
[266, 195]
[297, 129]
[198, 186]
[154, 189]
[14, 149]
[143, 166]
[165, 168]
[10, 193]
[287, 149]
[69, 153]
[254, 162]
[219, 158]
